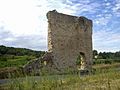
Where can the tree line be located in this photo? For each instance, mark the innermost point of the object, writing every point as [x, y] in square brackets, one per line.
[19, 51]
[106, 55]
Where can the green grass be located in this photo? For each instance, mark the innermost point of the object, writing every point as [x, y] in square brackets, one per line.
[106, 61]
[103, 79]
[14, 61]
[106, 77]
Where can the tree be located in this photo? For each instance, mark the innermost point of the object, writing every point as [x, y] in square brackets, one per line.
[95, 53]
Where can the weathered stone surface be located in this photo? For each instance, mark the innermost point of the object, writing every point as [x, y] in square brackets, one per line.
[38, 67]
[68, 36]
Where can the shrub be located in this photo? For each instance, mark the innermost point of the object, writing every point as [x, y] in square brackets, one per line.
[107, 61]
[3, 59]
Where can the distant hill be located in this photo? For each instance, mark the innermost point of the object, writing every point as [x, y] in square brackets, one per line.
[17, 57]
[4, 50]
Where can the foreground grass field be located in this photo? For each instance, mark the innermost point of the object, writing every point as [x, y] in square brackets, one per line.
[103, 79]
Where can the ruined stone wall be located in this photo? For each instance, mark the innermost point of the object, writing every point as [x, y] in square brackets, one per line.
[67, 37]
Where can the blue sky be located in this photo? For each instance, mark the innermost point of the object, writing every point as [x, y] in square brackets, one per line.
[23, 23]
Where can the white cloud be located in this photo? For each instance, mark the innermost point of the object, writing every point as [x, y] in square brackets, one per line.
[108, 4]
[35, 42]
[59, 5]
[27, 17]
[9, 39]
[103, 19]
[105, 40]
[116, 8]
[19, 16]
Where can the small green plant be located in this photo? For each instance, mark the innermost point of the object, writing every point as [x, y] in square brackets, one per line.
[78, 60]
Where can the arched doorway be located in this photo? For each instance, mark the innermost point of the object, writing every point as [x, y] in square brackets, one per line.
[81, 61]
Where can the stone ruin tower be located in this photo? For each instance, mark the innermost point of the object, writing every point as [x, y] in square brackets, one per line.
[68, 37]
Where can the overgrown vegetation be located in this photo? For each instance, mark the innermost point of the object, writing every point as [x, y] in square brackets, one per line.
[106, 55]
[103, 79]
[105, 61]
[17, 61]
[78, 61]
[106, 76]
[16, 57]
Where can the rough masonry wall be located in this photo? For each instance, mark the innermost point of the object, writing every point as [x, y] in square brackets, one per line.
[67, 37]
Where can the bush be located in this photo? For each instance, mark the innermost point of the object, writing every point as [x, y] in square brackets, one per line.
[3, 59]
[107, 61]
[102, 61]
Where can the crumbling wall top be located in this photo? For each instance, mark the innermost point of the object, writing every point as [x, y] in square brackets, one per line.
[54, 13]
[54, 16]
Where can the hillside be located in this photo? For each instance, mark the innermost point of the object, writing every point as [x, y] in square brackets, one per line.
[16, 57]
[19, 51]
